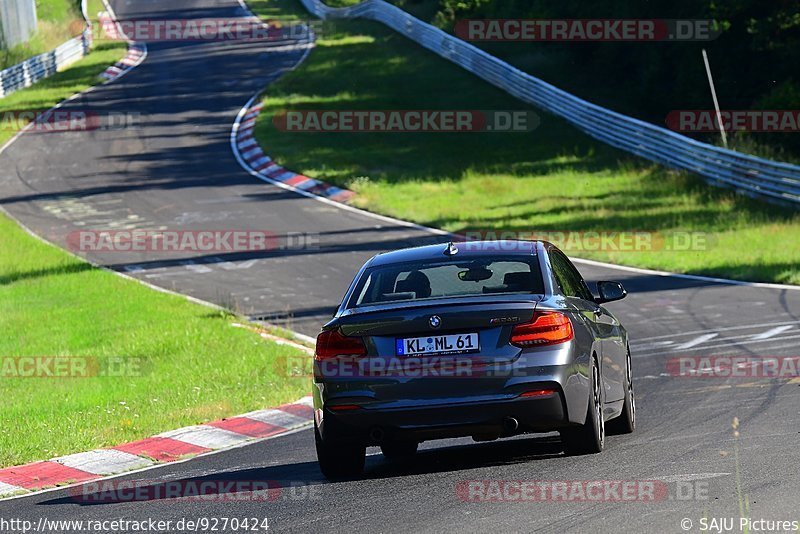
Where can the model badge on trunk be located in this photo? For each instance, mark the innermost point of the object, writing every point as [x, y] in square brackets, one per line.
[504, 320]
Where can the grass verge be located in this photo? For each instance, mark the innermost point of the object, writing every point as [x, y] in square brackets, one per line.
[74, 79]
[48, 92]
[58, 20]
[167, 362]
[181, 363]
[553, 179]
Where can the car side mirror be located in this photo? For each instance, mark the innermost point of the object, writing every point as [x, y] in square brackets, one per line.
[610, 291]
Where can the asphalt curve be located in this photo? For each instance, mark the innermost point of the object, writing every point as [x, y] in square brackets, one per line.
[174, 170]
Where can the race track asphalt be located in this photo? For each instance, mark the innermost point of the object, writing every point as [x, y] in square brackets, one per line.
[174, 169]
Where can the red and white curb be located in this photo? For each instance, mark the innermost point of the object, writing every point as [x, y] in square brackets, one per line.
[251, 156]
[170, 446]
[137, 52]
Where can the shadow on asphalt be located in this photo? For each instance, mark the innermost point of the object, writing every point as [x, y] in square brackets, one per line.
[225, 484]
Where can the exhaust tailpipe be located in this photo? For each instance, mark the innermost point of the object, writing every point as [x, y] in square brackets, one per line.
[376, 434]
[510, 425]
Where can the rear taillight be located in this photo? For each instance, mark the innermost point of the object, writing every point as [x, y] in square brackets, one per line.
[331, 343]
[546, 328]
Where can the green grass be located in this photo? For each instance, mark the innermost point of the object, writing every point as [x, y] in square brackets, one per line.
[58, 20]
[281, 11]
[552, 179]
[195, 366]
[189, 364]
[547, 61]
[50, 91]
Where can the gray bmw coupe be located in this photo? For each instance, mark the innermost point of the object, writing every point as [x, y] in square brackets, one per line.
[485, 339]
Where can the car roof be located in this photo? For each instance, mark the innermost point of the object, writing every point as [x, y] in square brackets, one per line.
[467, 249]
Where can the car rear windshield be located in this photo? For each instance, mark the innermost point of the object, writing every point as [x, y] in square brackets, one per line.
[443, 279]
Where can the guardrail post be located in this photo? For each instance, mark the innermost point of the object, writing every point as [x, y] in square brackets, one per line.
[87, 39]
[26, 75]
[769, 180]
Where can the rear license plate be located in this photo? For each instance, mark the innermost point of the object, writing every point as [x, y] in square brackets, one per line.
[439, 345]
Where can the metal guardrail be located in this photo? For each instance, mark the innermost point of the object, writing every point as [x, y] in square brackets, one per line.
[39, 67]
[754, 176]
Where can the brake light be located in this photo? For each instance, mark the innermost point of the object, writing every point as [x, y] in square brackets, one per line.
[332, 343]
[546, 328]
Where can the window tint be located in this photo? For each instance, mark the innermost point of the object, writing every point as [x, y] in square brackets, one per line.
[414, 281]
[568, 277]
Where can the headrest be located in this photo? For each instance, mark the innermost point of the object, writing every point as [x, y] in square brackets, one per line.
[415, 282]
[525, 280]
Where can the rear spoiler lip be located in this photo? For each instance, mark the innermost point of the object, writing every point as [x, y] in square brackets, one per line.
[533, 299]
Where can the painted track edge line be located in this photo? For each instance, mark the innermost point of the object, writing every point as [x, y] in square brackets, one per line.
[698, 277]
[7, 144]
[195, 300]
[190, 298]
[444, 233]
[436, 231]
[247, 111]
[81, 93]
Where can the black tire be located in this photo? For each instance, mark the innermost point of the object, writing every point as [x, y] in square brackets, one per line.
[399, 450]
[590, 437]
[339, 461]
[626, 422]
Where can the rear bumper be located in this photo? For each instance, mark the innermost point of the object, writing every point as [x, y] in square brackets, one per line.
[425, 408]
[487, 420]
